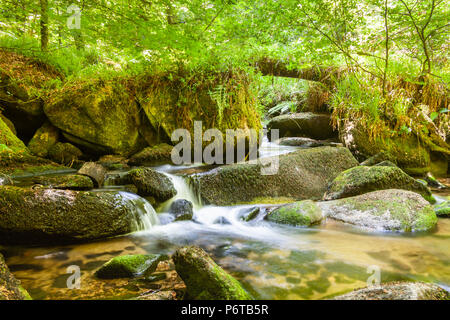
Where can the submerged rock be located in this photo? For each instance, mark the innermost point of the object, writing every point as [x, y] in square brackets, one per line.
[152, 183]
[43, 140]
[152, 156]
[10, 288]
[66, 182]
[182, 209]
[204, 279]
[94, 171]
[48, 215]
[386, 210]
[303, 174]
[129, 266]
[361, 179]
[64, 153]
[158, 295]
[398, 291]
[305, 124]
[443, 209]
[303, 213]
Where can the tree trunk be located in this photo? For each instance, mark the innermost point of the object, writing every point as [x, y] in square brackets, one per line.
[44, 25]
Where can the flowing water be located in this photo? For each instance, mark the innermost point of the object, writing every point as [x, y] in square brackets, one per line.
[271, 261]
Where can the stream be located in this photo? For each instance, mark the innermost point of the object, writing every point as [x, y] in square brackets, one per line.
[271, 261]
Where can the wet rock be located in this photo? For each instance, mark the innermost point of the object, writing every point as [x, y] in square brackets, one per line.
[204, 279]
[362, 179]
[305, 124]
[152, 156]
[222, 220]
[129, 266]
[64, 153]
[443, 209]
[386, 210]
[10, 288]
[302, 213]
[398, 291]
[182, 210]
[303, 174]
[251, 214]
[66, 182]
[40, 215]
[100, 116]
[43, 140]
[5, 180]
[94, 171]
[152, 183]
[433, 182]
[307, 142]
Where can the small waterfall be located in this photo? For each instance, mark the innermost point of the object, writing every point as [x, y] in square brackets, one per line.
[184, 191]
[146, 216]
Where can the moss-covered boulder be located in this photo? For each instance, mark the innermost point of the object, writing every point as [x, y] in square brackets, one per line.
[10, 288]
[22, 80]
[398, 291]
[64, 153]
[65, 182]
[204, 279]
[219, 100]
[8, 123]
[302, 213]
[442, 209]
[129, 266]
[43, 140]
[152, 183]
[361, 179]
[303, 174]
[386, 210]
[101, 116]
[152, 156]
[303, 142]
[17, 161]
[43, 215]
[408, 152]
[305, 124]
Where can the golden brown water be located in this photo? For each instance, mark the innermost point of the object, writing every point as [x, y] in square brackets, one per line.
[290, 263]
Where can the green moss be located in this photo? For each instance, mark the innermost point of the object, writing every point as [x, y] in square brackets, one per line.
[128, 266]
[406, 211]
[100, 115]
[69, 182]
[443, 209]
[362, 179]
[42, 141]
[303, 213]
[204, 279]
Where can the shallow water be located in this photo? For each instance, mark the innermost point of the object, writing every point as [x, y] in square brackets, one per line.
[271, 261]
